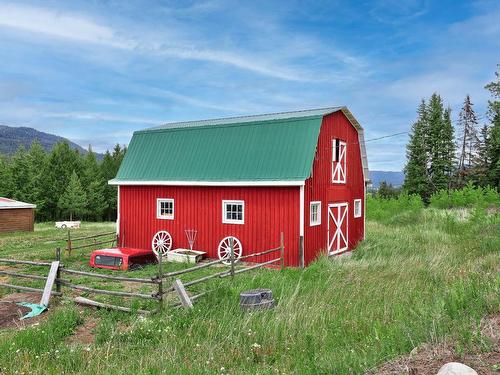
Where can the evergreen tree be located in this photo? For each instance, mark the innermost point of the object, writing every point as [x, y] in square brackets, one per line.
[94, 186]
[60, 164]
[493, 147]
[416, 178]
[37, 158]
[440, 144]
[467, 122]
[21, 175]
[6, 180]
[481, 162]
[73, 200]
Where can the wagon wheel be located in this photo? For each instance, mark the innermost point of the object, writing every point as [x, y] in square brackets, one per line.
[161, 243]
[224, 250]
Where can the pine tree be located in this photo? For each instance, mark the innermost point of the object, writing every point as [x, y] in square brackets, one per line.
[467, 122]
[416, 178]
[481, 162]
[60, 164]
[94, 186]
[493, 147]
[37, 159]
[440, 142]
[73, 200]
[6, 180]
[21, 170]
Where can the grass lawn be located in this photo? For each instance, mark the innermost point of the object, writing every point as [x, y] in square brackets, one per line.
[421, 276]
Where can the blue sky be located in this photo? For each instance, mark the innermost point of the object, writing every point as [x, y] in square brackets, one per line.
[95, 71]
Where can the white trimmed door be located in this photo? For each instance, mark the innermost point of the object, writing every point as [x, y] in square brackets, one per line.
[338, 228]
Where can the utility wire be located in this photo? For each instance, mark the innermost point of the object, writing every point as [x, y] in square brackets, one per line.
[386, 136]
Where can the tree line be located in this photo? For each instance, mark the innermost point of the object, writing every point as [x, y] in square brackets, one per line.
[63, 183]
[437, 160]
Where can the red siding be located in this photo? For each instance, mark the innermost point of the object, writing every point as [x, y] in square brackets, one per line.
[320, 188]
[268, 211]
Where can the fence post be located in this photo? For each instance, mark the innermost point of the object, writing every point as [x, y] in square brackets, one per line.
[68, 242]
[231, 247]
[282, 250]
[160, 282]
[58, 275]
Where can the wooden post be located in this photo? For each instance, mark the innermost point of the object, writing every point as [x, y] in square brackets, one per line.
[231, 246]
[160, 284]
[58, 275]
[68, 242]
[282, 250]
[301, 251]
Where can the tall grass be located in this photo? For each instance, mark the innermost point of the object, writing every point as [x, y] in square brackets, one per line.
[421, 275]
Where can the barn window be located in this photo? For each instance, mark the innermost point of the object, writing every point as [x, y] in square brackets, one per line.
[314, 213]
[339, 149]
[233, 212]
[165, 208]
[357, 208]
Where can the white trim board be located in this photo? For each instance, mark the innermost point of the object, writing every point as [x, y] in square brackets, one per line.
[206, 183]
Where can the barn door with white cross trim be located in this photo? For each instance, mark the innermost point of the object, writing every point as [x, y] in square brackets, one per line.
[338, 229]
[339, 150]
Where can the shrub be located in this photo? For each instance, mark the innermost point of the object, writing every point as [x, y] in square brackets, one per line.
[469, 196]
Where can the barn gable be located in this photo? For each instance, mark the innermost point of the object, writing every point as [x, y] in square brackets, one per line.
[275, 149]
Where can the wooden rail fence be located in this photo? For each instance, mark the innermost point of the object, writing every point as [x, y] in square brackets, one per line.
[162, 283]
[94, 242]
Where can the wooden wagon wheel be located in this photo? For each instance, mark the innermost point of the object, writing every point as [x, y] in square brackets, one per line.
[224, 250]
[161, 243]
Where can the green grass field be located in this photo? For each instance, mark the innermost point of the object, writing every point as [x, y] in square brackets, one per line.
[421, 276]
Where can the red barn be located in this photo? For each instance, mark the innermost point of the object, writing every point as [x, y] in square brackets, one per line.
[302, 173]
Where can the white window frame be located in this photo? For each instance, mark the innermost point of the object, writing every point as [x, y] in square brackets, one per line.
[313, 223]
[359, 208]
[343, 171]
[159, 201]
[233, 221]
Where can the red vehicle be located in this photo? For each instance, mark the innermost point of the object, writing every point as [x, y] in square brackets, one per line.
[121, 258]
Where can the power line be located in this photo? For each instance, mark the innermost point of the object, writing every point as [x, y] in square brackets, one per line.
[386, 136]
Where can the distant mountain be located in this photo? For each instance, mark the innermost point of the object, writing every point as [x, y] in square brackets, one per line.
[394, 178]
[13, 137]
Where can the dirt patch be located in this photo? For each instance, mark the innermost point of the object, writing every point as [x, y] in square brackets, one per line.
[84, 334]
[10, 312]
[427, 359]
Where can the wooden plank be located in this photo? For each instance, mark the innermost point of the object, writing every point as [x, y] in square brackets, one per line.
[89, 302]
[26, 288]
[183, 296]
[108, 292]
[195, 268]
[93, 236]
[51, 278]
[252, 267]
[33, 263]
[107, 277]
[259, 254]
[15, 274]
[91, 244]
[301, 252]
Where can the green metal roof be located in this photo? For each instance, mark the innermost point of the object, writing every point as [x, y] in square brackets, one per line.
[261, 149]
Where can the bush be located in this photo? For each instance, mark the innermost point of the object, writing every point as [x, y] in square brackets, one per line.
[385, 210]
[469, 196]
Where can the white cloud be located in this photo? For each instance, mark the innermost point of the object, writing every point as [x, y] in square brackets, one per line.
[78, 28]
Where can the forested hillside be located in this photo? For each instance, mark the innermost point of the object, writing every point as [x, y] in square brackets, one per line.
[11, 138]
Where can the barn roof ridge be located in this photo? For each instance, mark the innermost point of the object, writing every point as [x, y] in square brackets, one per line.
[234, 149]
[240, 120]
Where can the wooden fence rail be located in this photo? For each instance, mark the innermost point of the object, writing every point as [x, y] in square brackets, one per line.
[70, 241]
[157, 282]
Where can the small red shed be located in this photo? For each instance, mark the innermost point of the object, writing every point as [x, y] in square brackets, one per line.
[16, 216]
[302, 173]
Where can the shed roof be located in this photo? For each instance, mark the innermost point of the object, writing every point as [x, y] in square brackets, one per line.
[270, 149]
[6, 203]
